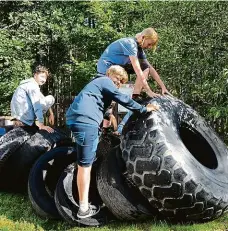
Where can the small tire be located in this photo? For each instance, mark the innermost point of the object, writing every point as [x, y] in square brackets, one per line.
[12, 141]
[121, 197]
[67, 201]
[18, 165]
[43, 179]
[165, 155]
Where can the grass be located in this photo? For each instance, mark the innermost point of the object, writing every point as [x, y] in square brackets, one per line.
[16, 214]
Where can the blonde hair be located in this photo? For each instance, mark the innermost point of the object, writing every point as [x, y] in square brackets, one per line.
[119, 71]
[150, 33]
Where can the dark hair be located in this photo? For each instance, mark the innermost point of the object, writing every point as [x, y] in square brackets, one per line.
[41, 69]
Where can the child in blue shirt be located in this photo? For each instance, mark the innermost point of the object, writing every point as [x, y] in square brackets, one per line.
[129, 53]
[84, 117]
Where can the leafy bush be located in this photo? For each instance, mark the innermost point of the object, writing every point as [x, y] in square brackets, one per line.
[69, 37]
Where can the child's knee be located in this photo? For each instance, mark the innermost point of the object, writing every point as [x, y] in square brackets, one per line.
[47, 102]
[50, 100]
[86, 162]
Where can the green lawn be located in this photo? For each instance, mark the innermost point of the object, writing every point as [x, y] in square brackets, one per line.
[16, 214]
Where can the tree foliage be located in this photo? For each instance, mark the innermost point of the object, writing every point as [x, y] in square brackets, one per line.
[69, 37]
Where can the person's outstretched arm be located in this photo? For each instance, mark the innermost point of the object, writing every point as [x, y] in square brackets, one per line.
[34, 95]
[125, 100]
[51, 118]
[156, 77]
[138, 71]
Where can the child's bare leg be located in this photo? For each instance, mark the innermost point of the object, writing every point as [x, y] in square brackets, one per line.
[83, 183]
[138, 82]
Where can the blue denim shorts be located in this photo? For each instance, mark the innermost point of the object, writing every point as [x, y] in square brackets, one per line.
[86, 138]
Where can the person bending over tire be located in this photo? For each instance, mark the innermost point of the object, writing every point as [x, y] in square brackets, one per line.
[84, 117]
[128, 53]
[28, 103]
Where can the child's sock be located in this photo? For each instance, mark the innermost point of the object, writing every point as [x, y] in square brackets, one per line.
[83, 206]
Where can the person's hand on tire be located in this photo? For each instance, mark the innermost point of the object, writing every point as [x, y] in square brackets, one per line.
[116, 133]
[168, 93]
[164, 91]
[152, 94]
[43, 127]
[152, 107]
[18, 123]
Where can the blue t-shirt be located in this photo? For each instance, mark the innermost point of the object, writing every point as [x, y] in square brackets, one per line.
[118, 52]
[91, 103]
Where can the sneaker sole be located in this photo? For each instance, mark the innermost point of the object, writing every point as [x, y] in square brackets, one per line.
[86, 216]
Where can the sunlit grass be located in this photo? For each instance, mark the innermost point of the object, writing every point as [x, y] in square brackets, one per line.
[16, 214]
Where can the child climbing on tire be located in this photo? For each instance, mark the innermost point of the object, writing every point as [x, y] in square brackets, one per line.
[84, 117]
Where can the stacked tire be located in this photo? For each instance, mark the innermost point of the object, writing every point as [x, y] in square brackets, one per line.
[52, 185]
[121, 197]
[19, 149]
[43, 179]
[168, 164]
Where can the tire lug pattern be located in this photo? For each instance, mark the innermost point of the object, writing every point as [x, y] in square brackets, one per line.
[163, 178]
[171, 179]
[169, 162]
[156, 204]
[144, 152]
[185, 201]
[173, 191]
[142, 166]
[179, 174]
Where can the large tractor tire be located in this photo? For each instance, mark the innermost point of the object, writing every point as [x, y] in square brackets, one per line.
[121, 197]
[66, 199]
[43, 179]
[16, 168]
[178, 162]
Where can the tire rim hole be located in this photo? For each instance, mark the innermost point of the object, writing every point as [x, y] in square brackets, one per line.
[198, 146]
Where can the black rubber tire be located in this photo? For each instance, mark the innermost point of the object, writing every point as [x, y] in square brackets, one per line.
[106, 143]
[18, 165]
[43, 179]
[121, 197]
[66, 203]
[178, 162]
[12, 141]
[41, 189]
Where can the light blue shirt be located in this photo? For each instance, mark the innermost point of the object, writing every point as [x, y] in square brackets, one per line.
[25, 104]
[118, 52]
